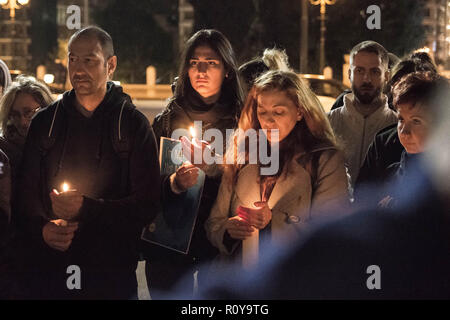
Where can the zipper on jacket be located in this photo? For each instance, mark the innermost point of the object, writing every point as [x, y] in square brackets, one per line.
[362, 144]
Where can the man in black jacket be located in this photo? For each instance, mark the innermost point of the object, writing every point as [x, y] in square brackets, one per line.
[82, 243]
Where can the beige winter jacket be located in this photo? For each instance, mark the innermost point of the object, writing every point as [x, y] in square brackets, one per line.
[293, 201]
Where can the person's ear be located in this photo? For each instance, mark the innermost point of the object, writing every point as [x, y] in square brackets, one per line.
[387, 76]
[111, 65]
[299, 115]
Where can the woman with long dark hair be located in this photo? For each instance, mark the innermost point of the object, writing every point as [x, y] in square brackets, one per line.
[208, 89]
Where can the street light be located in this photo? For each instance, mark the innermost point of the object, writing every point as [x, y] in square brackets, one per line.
[12, 6]
[49, 78]
[323, 4]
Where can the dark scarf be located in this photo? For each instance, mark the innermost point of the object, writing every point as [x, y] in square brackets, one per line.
[13, 137]
[211, 115]
[12, 145]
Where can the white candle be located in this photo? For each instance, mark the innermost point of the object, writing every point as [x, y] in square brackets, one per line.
[192, 132]
[250, 246]
[250, 250]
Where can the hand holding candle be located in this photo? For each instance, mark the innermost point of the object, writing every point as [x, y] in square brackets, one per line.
[66, 204]
[58, 234]
[238, 228]
[259, 216]
[194, 147]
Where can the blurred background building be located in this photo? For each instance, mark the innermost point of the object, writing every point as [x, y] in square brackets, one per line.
[14, 38]
[436, 21]
[153, 32]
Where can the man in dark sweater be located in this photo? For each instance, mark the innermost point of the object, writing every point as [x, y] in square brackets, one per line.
[82, 243]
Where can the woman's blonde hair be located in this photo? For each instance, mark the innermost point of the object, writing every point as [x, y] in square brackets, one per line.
[22, 84]
[276, 59]
[312, 130]
[272, 59]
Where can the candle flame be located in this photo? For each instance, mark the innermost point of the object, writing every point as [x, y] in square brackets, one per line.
[192, 131]
[65, 187]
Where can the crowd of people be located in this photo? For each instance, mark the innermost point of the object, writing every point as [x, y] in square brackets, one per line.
[80, 179]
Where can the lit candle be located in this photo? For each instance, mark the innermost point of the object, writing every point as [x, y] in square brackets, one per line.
[65, 187]
[197, 156]
[192, 132]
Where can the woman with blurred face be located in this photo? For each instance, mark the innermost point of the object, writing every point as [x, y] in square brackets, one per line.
[208, 89]
[23, 98]
[310, 180]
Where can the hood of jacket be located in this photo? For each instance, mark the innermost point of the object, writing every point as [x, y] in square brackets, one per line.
[114, 98]
[5, 70]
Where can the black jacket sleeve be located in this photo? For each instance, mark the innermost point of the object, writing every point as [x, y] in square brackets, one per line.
[5, 196]
[158, 128]
[30, 211]
[141, 205]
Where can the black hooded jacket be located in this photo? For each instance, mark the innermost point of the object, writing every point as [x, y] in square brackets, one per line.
[83, 155]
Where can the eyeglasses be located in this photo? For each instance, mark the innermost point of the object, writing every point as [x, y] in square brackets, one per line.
[28, 115]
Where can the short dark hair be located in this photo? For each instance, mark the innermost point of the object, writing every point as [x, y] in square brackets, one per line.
[271, 59]
[100, 35]
[373, 47]
[407, 66]
[422, 56]
[251, 70]
[420, 89]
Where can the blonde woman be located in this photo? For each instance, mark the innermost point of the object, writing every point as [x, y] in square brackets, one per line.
[311, 179]
[21, 100]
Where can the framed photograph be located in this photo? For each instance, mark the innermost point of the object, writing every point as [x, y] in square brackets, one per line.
[174, 225]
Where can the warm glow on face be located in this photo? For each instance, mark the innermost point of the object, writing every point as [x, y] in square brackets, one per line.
[192, 131]
[65, 187]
